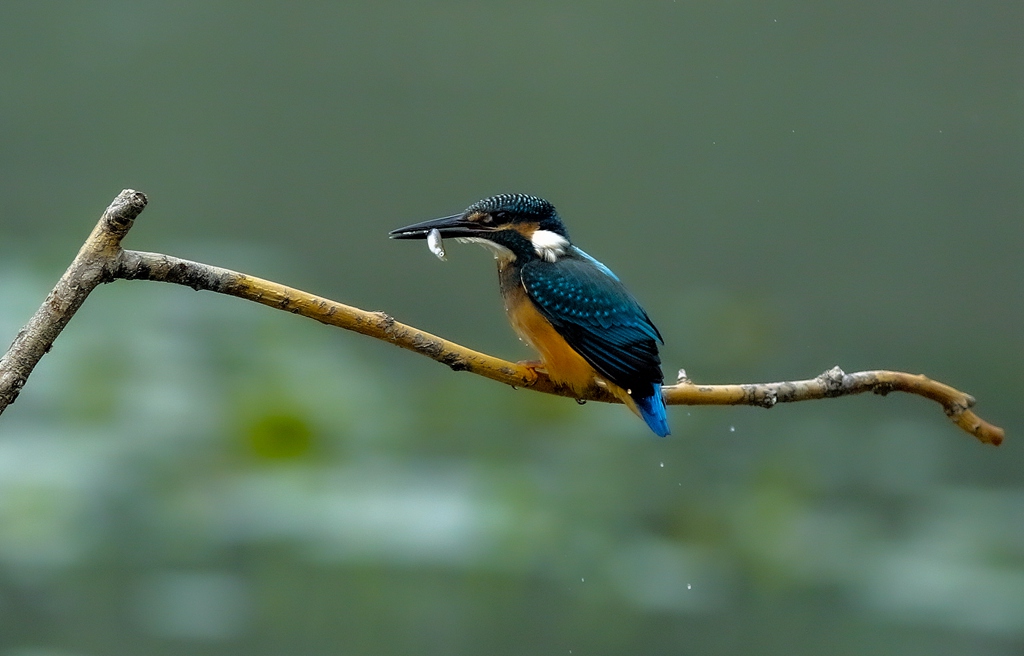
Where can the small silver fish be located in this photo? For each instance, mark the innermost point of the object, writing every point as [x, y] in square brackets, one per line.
[436, 244]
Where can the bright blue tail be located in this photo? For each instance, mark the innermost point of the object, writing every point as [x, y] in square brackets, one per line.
[652, 409]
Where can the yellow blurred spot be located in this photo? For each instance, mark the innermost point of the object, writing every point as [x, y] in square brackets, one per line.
[280, 437]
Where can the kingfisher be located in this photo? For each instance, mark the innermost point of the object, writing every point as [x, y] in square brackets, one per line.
[570, 308]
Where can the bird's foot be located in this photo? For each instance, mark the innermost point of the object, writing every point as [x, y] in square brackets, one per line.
[534, 366]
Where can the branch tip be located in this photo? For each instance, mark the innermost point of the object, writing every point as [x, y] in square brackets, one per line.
[123, 211]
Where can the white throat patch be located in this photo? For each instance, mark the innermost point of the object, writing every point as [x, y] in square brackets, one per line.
[549, 245]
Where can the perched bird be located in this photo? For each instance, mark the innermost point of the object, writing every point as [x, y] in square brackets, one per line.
[572, 309]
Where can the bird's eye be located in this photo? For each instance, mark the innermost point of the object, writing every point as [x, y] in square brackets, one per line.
[501, 216]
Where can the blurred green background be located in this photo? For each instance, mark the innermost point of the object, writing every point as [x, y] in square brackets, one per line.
[786, 186]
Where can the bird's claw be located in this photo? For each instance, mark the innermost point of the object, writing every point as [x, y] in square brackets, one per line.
[535, 367]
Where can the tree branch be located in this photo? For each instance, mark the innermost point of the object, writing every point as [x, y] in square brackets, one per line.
[102, 259]
[89, 268]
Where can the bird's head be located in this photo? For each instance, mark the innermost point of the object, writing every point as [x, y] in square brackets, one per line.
[514, 226]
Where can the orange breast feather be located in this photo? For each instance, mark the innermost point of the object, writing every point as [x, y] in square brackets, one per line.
[563, 365]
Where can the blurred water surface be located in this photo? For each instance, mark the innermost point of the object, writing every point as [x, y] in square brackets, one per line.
[786, 187]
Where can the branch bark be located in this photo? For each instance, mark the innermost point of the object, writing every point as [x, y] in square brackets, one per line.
[102, 259]
[89, 268]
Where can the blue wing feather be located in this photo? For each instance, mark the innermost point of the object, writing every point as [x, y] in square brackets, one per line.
[592, 310]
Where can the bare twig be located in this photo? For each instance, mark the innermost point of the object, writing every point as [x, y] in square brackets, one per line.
[835, 382]
[102, 260]
[89, 268]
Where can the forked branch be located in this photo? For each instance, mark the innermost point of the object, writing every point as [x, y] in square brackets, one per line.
[102, 259]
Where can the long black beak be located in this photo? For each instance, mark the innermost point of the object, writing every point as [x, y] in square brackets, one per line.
[455, 225]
